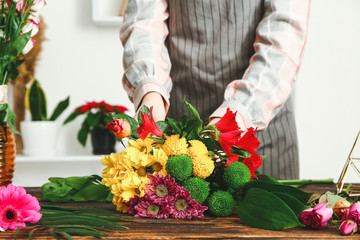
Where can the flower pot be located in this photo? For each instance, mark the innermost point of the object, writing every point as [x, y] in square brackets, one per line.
[39, 137]
[7, 154]
[103, 141]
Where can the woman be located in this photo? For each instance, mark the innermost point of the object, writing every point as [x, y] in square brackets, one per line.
[219, 54]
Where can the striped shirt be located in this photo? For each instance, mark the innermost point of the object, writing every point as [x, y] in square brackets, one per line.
[279, 30]
[219, 54]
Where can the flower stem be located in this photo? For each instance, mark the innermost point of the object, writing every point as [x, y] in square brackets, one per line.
[307, 182]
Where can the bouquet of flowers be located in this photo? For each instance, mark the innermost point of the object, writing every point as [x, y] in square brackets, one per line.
[97, 115]
[182, 169]
[18, 23]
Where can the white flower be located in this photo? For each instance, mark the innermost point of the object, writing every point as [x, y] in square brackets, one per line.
[32, 25]
[1, 33]
[38, 4]
[28, 46]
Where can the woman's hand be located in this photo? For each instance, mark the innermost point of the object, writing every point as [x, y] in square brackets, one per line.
[155, 100]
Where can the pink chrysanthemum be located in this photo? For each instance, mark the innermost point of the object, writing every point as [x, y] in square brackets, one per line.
[164, 189]
[17, 207]
[132, 203]
[149, 209]
[184, 207]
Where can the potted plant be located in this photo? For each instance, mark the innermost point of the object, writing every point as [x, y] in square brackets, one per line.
[97, 116]
[41, 133]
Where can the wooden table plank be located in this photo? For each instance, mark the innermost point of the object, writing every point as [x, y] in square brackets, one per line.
[207, 228]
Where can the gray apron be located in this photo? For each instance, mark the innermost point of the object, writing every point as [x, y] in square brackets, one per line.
[210, 44]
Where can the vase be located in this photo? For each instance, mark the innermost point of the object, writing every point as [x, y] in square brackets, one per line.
[39, 137]
[103, 141]
[7, 154]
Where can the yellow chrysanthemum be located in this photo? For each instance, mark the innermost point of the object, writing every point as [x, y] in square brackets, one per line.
[174, 145]
[130, 186]
[139, 152]
[197, 149]
[120, 205]
[203, 166]
[116, 167]
[159, 161]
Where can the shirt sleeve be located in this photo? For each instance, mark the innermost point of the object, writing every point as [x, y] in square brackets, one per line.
[267, 82]
[146, 58]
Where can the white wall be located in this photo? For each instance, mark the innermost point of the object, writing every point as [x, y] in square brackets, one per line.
[84, 61]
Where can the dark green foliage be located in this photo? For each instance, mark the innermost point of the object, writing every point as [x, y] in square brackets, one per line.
[76, 189]
[263, 209]
[63, 223]
[179, 167]
[221, 203]
[236, 175]
[198, 187]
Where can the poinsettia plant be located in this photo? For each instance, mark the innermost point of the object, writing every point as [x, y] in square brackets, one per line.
[97, 115]
[18, 23]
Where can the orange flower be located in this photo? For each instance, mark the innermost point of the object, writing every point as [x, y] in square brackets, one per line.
[120, 128]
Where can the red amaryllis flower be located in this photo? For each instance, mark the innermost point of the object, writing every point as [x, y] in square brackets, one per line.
[148, 126]
[228, 122]
[146, 208]
[249, 141]
[184, 207]
[231, 159]
[163, 190]
[17, 207]
[228, 139]
[253, 163]
[121, 128]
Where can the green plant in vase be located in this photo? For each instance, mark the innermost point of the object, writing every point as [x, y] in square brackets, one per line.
[35, 102]
[97, 116]
[40, 134]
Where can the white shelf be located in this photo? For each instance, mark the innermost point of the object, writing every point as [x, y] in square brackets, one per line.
[106, 12]
[58, 158]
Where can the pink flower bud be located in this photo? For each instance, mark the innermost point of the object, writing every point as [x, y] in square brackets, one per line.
[316, 217]
[353, 213]
[32, 25]
[37, 5]
[29, 46]
[120, 127]
[341, 207]
[348, 227]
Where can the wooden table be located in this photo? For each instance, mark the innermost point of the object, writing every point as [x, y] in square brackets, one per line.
[206, 228]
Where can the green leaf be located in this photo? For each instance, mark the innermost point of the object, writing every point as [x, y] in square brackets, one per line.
[83, 134]
[72, 116]
[262, 209]
[175, 126]
[267, 178]
[158, 140]
[37, 102]
[214, 129]
[60, 108]
[162, 125]
[77, 182]
[300, 195]
[93, 119]
[296, 206]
